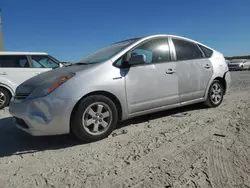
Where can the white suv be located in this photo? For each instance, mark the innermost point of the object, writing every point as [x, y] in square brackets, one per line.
[17, 67]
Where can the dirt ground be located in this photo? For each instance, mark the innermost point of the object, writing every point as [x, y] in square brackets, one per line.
[187, 147]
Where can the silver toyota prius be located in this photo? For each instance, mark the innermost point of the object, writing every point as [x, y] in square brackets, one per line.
[123, 80]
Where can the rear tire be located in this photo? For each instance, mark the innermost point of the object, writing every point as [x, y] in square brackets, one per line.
[215, 94]
[94, 119]
[4, 98]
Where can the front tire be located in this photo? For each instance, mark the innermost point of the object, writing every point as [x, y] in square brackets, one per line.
[94, 119]
[215, 94]
[4, 98]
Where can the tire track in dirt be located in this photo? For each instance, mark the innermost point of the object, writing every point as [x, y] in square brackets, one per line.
[177, 153]
[242, 162]
[163, 171]
[220, 166]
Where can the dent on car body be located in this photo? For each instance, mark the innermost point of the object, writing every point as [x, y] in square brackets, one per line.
[40, 111]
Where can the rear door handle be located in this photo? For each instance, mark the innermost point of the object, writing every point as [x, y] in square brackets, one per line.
[170, 71]
[3, 73]
[207, 66]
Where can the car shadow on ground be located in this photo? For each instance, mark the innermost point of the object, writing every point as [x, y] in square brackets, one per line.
[16, 142]
[177, 112]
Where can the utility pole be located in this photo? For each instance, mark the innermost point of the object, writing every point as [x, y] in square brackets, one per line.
[1, 34]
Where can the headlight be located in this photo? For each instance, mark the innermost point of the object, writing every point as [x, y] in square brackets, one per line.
[50, 86]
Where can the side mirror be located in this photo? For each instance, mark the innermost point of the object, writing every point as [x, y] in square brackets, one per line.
[137, 59]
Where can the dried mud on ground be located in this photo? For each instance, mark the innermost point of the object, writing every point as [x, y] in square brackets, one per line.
[186, 147]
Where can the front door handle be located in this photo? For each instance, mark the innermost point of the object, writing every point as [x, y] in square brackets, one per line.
[3, 73]
[207, 66]
[170, 71]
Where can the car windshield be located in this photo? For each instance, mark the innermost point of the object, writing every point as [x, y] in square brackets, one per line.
[107, 52]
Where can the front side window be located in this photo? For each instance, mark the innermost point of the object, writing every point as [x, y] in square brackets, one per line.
[40, 61]
[14, 61]
[186, 50]
[156, 50]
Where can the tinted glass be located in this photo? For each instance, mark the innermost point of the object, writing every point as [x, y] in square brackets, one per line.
[208, 53]
[40, 61]
[186, 50]
[36, 64]
[10, 61]
[156, 50]
[119, 62]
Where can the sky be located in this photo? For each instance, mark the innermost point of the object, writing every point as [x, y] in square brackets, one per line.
[70, 30]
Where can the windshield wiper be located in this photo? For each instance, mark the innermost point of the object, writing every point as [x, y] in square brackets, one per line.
[66, 64]
[81, 63]
[88, 63]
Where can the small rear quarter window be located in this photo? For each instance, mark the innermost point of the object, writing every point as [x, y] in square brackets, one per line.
[208, 53]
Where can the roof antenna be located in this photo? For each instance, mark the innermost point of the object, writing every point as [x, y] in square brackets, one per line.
[1, 34]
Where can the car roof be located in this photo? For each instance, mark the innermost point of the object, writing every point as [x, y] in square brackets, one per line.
[23, 53]
[164, 35]
[179, 37]
[173, 36]
[144, 38]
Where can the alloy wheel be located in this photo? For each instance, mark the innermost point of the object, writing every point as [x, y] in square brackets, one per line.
[216, 93]
[97, 118]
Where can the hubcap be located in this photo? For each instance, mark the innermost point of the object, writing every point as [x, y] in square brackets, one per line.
[216, 93]
[2, 98]
[97, 118]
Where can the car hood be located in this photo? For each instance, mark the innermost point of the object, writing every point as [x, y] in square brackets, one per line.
[50, 76]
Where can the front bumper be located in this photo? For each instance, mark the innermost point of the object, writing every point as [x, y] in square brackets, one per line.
[43, 116]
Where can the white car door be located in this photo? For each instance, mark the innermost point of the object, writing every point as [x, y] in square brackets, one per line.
[194, 71]
[42, 63]
[14, 70]
[153, 84]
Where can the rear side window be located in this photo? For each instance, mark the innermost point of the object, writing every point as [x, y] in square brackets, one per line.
[14, 61]
[186, 50]
[208, 53]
